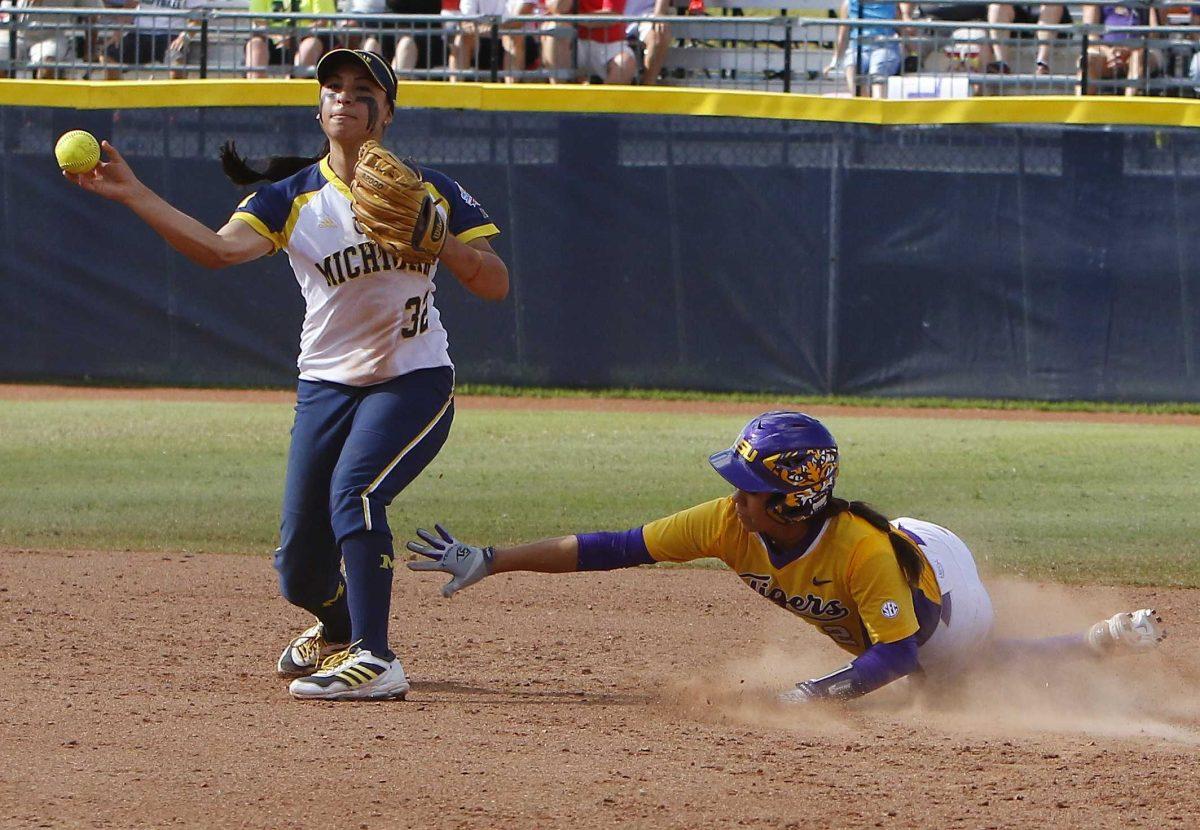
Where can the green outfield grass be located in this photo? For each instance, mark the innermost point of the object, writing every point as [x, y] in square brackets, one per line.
[1072, 502]
[1130, 407]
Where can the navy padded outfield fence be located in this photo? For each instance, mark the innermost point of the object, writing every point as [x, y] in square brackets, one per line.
[659, 251]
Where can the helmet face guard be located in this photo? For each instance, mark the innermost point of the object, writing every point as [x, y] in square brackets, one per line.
[786, 453]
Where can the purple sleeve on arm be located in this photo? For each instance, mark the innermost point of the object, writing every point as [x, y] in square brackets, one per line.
[884, 662]
[607, 551]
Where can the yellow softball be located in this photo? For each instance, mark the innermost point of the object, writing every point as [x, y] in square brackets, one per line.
[77, 151]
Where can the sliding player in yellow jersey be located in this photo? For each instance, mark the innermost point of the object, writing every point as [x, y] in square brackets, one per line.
[900, 596]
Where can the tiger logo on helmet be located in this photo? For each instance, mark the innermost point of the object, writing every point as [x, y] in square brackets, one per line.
[788, 453]
[813, 474]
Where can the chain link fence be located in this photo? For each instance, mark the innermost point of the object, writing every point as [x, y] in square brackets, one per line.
[964, 49]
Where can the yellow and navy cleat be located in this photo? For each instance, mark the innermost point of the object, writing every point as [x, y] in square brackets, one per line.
[353, 674]
[303, 654]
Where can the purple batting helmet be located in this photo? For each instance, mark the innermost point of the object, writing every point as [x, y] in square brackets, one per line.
[787, 453]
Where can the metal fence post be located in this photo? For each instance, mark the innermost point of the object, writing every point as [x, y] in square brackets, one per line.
[787, 57]
[12, 51]
[204, 46]
[858, 52]
[1083, 64]
[496, 50]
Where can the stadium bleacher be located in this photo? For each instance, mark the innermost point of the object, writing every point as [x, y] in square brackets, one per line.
[782, 45]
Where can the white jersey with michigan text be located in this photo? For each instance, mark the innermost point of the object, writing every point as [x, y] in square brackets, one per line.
[368, 316]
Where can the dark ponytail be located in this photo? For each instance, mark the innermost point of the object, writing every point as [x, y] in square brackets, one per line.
[278, 167]
[910, 559]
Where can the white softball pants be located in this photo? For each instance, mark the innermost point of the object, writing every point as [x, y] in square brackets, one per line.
[961, 640]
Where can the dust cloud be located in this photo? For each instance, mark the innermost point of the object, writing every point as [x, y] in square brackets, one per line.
[1134, 696]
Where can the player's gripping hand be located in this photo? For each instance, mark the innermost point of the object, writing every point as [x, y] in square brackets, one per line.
[466, 563]
[393, 207]
[112, 179]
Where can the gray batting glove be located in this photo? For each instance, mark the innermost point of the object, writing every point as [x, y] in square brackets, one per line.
[466, 563]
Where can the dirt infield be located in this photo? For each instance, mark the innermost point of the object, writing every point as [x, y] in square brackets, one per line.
[38, 392]
[140, 692]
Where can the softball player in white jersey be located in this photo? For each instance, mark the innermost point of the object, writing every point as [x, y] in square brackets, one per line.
[376, 390]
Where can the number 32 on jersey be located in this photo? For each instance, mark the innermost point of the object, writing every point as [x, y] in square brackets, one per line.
[416, 316]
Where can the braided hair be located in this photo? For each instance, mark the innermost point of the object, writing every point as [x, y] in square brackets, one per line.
[238, 170]
[909, 558]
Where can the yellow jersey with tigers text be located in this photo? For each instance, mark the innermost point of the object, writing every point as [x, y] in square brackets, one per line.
[847, 582]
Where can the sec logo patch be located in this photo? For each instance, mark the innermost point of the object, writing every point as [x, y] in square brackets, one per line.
[889, 609]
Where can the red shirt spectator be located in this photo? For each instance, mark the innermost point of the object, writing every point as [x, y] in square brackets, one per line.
[602, 34]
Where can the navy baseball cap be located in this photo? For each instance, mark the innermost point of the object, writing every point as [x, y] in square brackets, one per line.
[380, 70]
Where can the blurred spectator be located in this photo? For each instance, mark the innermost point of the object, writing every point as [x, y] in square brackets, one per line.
[997, 60]
[184, 47]
[402, 50]
[953, 12]
[1194, 66]
[146, 38]
[7, 54]
[655, 38]
[874, 50]
[1121, 54]
[48, 39]
[964, 51]
[474, 46]
[5, 28]
[602, 50]
[949, 13]
[422, 47]
[527, 48]
[374, 40]
[279, 47]
[556, 47]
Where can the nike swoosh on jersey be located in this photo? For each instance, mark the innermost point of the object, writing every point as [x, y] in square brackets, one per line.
[821, 581]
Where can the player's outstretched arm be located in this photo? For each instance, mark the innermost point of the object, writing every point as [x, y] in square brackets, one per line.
[477, 267]
[114, 179]
[468, 564]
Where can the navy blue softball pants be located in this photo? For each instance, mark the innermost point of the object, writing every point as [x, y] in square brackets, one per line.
[353, 450]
